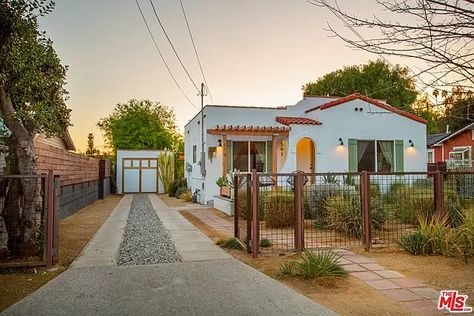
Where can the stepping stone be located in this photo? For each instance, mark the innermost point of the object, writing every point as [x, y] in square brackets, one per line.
[389, 274]
[353, 268]
[343, 261]
[402, 295]
[408, 282]
[372, 266]
[382, 284]
[422, 307]
[358, 259]
[426, 292]
[343, 252]
[366, 276]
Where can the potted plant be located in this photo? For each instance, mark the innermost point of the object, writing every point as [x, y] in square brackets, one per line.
[223, 184]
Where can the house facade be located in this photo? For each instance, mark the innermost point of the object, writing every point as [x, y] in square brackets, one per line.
[453, 148]
[317, 134]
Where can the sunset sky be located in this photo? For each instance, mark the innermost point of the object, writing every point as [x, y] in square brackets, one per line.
[254, 52]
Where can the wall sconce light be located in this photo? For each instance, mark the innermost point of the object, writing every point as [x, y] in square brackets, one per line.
[411, 143]
[219, 142]
[341, 142]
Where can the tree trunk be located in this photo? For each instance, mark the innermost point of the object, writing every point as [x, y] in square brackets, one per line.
[23, 203]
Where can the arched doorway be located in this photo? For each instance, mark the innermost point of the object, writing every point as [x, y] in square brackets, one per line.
[305, 155]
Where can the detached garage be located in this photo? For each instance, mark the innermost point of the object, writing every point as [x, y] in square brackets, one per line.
[138, 171]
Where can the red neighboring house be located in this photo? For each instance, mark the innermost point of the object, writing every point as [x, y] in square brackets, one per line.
[453, 148]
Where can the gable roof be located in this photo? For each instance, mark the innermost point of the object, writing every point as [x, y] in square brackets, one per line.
[368, 100]
[434, 138]
[286, 120]
[467, 127]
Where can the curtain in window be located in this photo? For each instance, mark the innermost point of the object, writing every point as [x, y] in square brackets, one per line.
[361, 148]
[385, 156]
[257, 156]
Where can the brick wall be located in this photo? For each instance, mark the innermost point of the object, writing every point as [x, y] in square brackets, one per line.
[72, 168]
[83, 179]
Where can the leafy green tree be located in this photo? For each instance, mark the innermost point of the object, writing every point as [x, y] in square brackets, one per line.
[375, 79]
[140, 124]
[457, 110]
[32, 101]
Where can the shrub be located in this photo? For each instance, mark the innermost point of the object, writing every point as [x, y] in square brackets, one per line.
[279, 209]
[175, 185]
[411, 202]
[314, 265]
[466, 233]
[344, 215]
[316, 205]
[231, 243]
[414, 243]
[265, 243]
[180, 191]
[187, 196]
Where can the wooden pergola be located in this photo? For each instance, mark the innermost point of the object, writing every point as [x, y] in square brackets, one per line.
[273, 131]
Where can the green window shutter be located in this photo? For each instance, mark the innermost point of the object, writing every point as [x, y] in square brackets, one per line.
[230, 154]
[353, 160]
[269, 163]
[399, 156]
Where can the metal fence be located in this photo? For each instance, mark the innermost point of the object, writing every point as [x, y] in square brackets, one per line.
[28, 229]
[290, 212]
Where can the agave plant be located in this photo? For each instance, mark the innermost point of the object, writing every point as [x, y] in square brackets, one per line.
[314, 265]
[166, 174]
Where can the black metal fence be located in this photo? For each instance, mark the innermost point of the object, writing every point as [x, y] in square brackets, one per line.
[287, 212]
[27, 222]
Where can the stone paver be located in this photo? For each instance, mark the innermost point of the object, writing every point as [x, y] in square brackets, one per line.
[358, 259]
[389, 274]
[422, 307]
[426, 292]
[382, 284]
[372, 266]
[366, 276]
[402, 295]
[353, 268]
[407, 282]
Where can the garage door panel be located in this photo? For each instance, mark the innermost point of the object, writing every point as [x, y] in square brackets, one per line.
[149, 178]
[131, 180]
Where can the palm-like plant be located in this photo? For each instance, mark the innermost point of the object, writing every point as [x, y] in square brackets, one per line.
[166, 164]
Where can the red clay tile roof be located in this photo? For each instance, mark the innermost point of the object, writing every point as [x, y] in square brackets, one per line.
[285, 120]
[371, 101]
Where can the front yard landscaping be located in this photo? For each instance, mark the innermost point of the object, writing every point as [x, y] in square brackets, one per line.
[74, 233]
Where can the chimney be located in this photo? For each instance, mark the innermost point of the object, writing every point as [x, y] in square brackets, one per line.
[447, 128]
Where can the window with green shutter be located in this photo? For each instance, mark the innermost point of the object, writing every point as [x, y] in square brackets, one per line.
[269, 163]
[229, 156]
[353, 160]
[399, 156]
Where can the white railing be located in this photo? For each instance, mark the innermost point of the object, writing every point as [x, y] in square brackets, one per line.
[460, 164]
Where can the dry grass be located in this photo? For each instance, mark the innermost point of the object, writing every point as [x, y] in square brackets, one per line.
[436, 271]
[347, 296]
[74, 233]
[171, 201]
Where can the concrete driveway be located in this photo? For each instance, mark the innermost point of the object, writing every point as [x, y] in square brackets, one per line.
[208, 281]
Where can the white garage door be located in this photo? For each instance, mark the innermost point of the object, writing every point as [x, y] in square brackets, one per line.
[140, 175]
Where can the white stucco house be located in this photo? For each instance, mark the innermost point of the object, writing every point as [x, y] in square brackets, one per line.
[317, 134]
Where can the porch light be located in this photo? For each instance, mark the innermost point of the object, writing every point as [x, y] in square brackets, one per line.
[219, 143]
[341, 143]
[411, 143]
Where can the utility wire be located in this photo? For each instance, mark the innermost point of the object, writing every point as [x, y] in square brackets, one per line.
[162, 57]
[172, 46]
[195, 50]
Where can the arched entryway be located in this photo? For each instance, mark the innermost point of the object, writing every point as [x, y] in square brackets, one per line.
[305, 152]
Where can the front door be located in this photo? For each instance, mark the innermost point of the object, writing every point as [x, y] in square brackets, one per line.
[305, 153]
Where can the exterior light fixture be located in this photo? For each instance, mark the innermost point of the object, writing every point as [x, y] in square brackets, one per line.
[341, 142]
[411, 143]
[219, 143]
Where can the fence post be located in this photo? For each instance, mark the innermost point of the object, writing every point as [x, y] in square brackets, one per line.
[365, 202]
[439, 192]
[50, 220]
[57, 194]
[236, 207]
[299, 239]
[249, 213]
[101, 179]
[255, 232]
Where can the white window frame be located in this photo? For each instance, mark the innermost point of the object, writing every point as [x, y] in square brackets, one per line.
[375, 152]
[432, 151]
[464, 148]
[248, 153]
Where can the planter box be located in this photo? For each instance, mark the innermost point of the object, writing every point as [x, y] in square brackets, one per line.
[226, 192]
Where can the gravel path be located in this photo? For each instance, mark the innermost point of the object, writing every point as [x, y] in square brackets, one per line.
[145, 241]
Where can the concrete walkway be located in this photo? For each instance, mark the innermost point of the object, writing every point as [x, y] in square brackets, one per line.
[207, 282]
